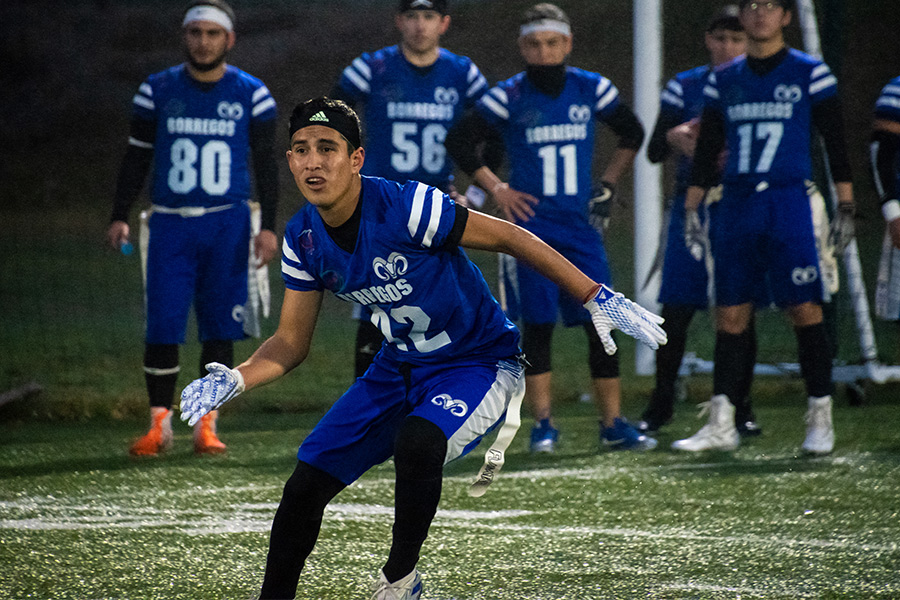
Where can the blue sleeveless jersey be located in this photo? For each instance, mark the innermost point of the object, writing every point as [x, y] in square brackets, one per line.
[887, 107]
[430, 302]
[408, 111]
[202, 140]
[768, 119]
[683, 99]
[550, 141]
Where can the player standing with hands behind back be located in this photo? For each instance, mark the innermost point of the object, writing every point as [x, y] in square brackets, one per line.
[764, 108]
[450, 370]
[198, 123]
[548, 117]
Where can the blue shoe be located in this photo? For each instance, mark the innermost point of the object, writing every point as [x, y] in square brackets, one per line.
[622, 436]
[543, 437]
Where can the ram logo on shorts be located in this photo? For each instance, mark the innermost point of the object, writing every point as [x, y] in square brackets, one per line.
[803, 276]
[457, 408]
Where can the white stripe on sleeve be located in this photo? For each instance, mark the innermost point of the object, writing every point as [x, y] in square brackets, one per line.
[437, 197]
[295, 272]
[415, 215]
[263, 106]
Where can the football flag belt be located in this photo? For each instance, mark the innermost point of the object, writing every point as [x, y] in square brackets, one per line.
[495, 455]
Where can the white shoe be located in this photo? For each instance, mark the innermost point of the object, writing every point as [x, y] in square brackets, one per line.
[408, 588]
[819, 429]
[719, 433]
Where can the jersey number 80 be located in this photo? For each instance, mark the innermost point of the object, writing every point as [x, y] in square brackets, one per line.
[213, 174]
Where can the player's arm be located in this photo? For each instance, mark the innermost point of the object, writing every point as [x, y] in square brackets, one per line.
[265, 170]
[287, 348]
[705, 170]
[608, 309]
[630, 133]
[659, 148]
[828, 119]
[471, 142]
[885, 148]
[132, 175]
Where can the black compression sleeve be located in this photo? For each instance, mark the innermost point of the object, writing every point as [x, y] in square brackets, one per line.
[828, 118]
[710, 142]
[459, 226]
[265, 170]
[627, 127]
[135, 166]
[885, 148]
[464, 139]
[658, 148]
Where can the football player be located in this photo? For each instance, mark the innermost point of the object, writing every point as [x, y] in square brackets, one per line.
[885, 146]
[410, 94]
[197, 123]
[548, 118]
[450, 370]
[685, 282]
[763, 108]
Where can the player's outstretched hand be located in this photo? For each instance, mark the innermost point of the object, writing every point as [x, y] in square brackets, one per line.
[612, 310]
[209, 393]
[843, 227]
[695, 235]
[600, 206]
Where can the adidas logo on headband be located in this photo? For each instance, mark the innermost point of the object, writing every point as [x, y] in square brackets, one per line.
[319, 116]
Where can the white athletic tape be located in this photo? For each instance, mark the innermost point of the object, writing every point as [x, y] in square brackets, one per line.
[208, 13]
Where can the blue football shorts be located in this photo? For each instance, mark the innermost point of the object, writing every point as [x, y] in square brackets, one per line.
[540, 300]
[685, 281]
[202, 260]
[466, 399]
[761, 237]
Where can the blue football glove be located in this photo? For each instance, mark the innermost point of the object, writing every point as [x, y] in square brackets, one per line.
[695, 236]
[600, 206]
[611, 310]
[209, 393]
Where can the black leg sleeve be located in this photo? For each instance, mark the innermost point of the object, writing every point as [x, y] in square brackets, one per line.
[419, 453]
[730, 364]
[295, 528]
[220, 351]
[669, 356]
[814, 352]
[161, 373]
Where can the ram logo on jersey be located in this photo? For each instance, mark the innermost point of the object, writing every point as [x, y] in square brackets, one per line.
[788, 93]
[579, 113]
[392, 268]
[444, 95]
[457, 408]
[230, 110]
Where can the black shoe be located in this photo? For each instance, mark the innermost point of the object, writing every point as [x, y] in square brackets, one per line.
[748, 429]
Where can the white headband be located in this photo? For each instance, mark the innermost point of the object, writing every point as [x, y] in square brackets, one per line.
[545, 25]
[208, 13]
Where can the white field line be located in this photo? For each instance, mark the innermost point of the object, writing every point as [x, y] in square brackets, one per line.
[49, 513]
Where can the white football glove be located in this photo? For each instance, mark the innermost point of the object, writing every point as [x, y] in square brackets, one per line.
[695, 236]
[843, 227]
[612, 310]
[209, 393]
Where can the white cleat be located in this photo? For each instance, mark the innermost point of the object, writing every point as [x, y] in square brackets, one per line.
[719, 433]
[819, 428]
[408, 588]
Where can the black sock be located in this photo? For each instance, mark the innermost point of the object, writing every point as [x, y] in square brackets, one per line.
[668, 361]
[730, 368]
[161, 373]
[814, 351]
[220, 351]
[419, 454]
[295, 528]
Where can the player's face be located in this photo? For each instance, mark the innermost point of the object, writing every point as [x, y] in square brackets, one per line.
[421, 30]
[207, 44]
[321, 167]
[725, 45]
[764, 21]
[545, 48]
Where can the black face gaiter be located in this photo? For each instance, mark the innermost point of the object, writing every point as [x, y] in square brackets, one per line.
[549, 79]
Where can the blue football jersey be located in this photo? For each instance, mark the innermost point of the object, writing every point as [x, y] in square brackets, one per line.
[683, 99]
[768, 118]
[408, 111]
[202, 140]
[887, 107]
[550, 141]
[430, 302]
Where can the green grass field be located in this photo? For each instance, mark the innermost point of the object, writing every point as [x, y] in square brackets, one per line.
[80, 519]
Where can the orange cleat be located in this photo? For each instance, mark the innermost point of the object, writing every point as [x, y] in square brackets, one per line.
[159, 438]
[205, 439]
